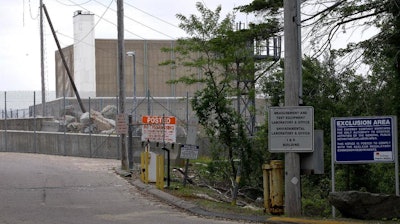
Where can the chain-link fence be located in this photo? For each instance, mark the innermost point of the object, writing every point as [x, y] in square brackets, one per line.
[62, 118]
[27, 104]
[17, 104]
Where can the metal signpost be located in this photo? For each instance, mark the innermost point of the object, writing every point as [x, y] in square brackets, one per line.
[358, 140]
[291, 129]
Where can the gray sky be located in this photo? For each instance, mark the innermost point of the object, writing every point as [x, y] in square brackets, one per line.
[19, 33]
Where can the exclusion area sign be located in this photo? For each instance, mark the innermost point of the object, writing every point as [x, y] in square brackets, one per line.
[364, 139]
[159, 129]
[189, 151]
[291, 129]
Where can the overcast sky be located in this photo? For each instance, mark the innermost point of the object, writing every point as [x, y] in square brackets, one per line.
[19, 33]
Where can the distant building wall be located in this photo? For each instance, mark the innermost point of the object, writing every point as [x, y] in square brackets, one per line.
[150, 75]
[63, 85]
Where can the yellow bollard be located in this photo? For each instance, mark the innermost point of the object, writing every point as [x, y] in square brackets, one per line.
[277, 204]
[273, 187]
[160, 172]
[144, 165]
[267, 201]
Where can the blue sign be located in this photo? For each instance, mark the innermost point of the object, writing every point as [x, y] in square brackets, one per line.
[363, 139]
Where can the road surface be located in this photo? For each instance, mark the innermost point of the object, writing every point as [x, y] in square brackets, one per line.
[48, 189]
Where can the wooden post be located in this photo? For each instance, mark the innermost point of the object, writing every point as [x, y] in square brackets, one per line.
[292, 26]
[121, 75]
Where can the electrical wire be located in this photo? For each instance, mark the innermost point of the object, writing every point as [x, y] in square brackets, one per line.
[98, 21]
[74, 4]
[30, 11]
[162, 20]
[104, 19]
[130, 18]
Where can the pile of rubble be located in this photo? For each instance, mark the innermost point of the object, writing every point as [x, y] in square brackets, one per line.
[95, 122]
[90, 122]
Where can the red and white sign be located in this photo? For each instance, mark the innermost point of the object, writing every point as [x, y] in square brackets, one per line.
[159, 129]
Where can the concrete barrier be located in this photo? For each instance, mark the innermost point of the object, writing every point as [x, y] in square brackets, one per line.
[77, 144]
[58, 143]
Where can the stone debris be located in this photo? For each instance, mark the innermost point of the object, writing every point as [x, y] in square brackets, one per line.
[365, 205]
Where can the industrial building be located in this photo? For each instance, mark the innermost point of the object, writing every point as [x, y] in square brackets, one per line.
[93, 65]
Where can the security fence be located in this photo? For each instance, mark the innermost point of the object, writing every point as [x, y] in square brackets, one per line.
[27, 104]
[47, 126]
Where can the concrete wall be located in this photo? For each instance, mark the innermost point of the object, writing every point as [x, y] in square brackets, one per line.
[24, 123]
[80, 145]
[58, 143]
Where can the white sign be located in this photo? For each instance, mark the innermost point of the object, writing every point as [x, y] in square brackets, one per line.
[291, 129]
[159, 129]
[189, 151]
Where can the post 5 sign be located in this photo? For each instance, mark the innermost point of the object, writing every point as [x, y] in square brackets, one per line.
[159, 129]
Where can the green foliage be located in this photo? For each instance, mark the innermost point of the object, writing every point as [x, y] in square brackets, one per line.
[216, 56]
[314, 195]
[220, 54]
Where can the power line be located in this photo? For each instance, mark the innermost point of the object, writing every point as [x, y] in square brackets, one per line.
[98, 21]
[30, 11]
[162, 20]
[130, 18]
[73, 4]
[112, 23]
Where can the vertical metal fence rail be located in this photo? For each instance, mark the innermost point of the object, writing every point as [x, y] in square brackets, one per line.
[90, 131]
[5, 121]
[34, 124]
[64, 126]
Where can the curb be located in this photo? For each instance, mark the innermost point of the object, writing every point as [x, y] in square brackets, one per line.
[192, 208]
[197, 210]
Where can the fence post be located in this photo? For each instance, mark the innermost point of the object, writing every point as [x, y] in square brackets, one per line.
[90, 132]
[5, 121]
[34, 122]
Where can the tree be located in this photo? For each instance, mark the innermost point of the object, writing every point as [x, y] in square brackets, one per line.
[220, 55]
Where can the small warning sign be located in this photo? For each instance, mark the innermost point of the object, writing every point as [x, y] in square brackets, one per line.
[121, 125]
[189, 151]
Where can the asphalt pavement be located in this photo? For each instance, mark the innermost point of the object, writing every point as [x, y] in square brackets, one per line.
[49, 189]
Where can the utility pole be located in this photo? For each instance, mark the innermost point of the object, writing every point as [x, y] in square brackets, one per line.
[121, 75]
[292, 33]
[63, 60]
[42, 60]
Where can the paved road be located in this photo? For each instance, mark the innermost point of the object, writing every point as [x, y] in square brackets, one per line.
[55, 189]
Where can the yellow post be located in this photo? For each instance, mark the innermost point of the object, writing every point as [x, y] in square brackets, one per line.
[265, 168]
[144, 164]
[277, 203]
[142, 167]
[160, 172]
[273, 187]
